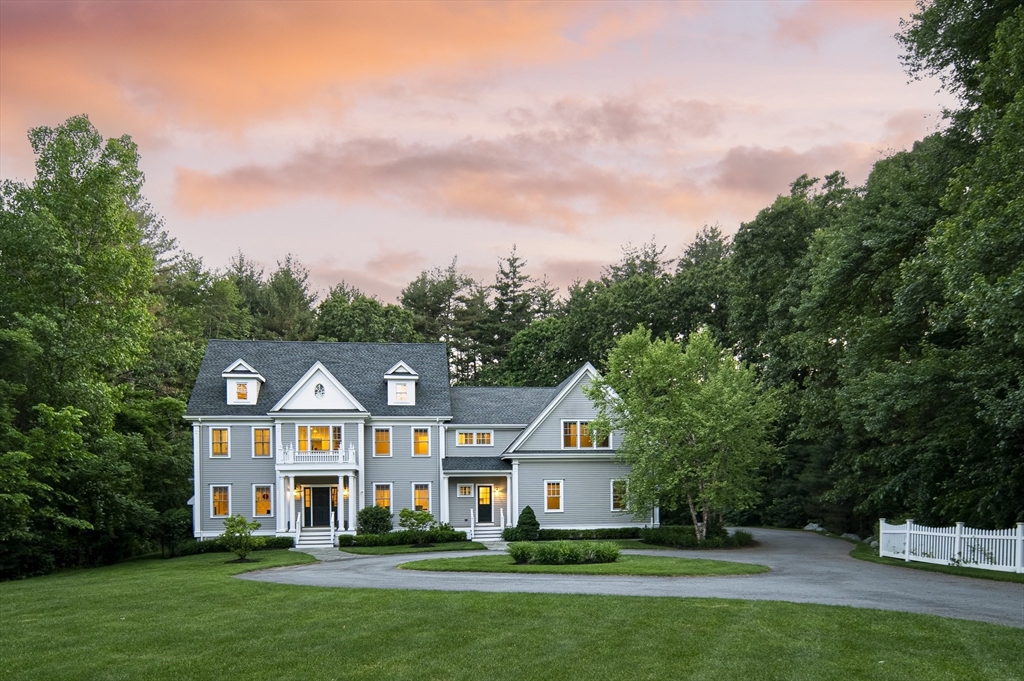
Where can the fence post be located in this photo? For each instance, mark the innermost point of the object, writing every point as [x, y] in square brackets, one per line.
[958, 544]
[1020, 547]
[906, 547]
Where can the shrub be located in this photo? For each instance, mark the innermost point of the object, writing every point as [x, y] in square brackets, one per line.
[373, 520]
[437, 535]
[238, 537]
[683, 537]
[528, 526]
[600, 533]
[191, 547]
[563, 552]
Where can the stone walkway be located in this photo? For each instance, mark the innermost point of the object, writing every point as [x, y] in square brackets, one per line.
[806, 568]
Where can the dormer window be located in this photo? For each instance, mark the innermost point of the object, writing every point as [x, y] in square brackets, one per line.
[402, 392]
[242, 382]
[401, 381]
[242, 391]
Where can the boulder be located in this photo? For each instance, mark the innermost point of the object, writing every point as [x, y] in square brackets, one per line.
[874, 543]
[812, 527]
[851, 536]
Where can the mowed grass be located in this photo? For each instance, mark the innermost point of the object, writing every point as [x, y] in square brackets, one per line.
[187, 618]
[865, 552]
[394, 550]
[645, 566]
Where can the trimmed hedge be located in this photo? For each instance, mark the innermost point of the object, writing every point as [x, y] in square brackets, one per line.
[514, 534]
[563, 552]
[684, 537]
[191, 547]
[434, 536]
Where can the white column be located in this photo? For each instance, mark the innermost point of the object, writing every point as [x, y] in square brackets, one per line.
[351, 502]
[279, 503]
[1020, 547]
[514, 519]
[341, 501]
[360, 493]
[197, 464]
[509, 521]
[289, 506]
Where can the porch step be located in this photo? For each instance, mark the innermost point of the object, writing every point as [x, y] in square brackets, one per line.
[487, 533]
[314, 536]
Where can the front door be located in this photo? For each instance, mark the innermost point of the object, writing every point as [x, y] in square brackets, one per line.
[318, 506]
[483, 504]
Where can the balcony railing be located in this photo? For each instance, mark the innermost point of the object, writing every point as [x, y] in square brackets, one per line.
[290, 454]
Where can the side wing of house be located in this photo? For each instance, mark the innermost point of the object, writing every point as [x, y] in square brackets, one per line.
[569, 478]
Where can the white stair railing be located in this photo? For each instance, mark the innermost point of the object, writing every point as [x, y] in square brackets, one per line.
[298, 527]
[502, 510]
[334, 531]
[472, 524]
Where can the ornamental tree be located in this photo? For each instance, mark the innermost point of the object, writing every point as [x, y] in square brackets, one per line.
[697, 424]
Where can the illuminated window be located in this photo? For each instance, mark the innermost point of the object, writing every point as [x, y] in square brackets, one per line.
[221, 501]
[219, 442]
[465, 490]
[401, 392]
[263, 496]
[241, 391]
[319, 438]
[553, 495]
[382, 496]
[473, 438]
[261, 441]
[420, 441]
[382, 442]
[619, 495]
[577, 435]
[421, 497]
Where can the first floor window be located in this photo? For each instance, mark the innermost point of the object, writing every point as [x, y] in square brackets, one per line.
[618, 495]
[382, 442]
[221, 500]
[218, 441]
[421, 497]
[382, 496]
[553, 495]
[263, 500]
[261, 442]
[421, 442]
[465, 490]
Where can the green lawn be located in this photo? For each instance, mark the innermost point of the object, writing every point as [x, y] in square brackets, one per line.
[647, 566]
[187, 619]
[864, 552]
[392, 550]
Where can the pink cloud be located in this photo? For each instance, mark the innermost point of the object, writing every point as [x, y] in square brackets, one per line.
[809, 22]
[767, 172]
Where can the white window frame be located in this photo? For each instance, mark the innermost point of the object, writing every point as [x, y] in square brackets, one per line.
[309, 435]
[210, 439]
[412, 434]
[391, 442]
[611, 489]
[212, 487]
[474, 432]
[472, 490]
[561, 436]
[561, 497]
[270, 442]
[273, 509]
[430, 495]
[391, 494]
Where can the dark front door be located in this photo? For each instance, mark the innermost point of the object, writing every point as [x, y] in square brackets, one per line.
[321, 503]
[483, 504]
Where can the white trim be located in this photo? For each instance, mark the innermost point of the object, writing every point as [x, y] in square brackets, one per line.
[309, 435]
[459, 431]
[612, 490]
[391, 442]
[561, 496]
[585, 370]
[270, 441]
[430, 449]
[391, 494]
[318, 366]
[430, 495]
[407, 373]
[197, 492]
[239, 363]
[476, 499]
[579, 438]
[213, 487]
[209, 441]
[460, 495]
[273, 505]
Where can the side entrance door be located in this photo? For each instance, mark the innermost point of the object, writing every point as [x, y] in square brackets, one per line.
[483, 504]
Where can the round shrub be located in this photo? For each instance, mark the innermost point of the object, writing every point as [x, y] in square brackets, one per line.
[373, 520]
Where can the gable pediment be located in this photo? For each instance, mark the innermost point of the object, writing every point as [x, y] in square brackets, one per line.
[318, 390]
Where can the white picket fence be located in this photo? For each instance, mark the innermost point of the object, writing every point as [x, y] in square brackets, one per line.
[1001, 550]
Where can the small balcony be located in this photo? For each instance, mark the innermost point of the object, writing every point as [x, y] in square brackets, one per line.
[340, 457]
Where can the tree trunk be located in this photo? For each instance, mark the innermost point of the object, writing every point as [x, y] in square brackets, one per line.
[698, 529]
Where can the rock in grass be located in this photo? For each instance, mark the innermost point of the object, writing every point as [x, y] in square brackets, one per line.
[812, 527]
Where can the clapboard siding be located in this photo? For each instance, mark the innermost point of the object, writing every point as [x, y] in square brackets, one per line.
[586, 492]
[459, 507]
[241, 471]
[500, 440]
[575, 406]
[402, 469]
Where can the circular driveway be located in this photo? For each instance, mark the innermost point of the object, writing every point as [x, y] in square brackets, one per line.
[806, 568]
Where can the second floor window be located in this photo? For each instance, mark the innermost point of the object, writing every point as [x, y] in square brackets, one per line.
[319, 438]
[219, 441]
[420, 442]
[261, 442]
[577, 435]
[381, 442]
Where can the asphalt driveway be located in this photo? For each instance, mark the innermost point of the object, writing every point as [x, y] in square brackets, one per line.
[805, 568]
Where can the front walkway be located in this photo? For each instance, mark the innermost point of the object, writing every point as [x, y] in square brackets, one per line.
[806, 568]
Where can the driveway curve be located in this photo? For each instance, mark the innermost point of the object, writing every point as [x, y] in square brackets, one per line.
[805, 568]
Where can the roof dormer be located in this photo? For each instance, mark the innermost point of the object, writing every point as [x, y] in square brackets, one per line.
[242, 383]
[401, 380]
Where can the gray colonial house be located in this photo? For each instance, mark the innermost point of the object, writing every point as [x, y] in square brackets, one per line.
[301, 435]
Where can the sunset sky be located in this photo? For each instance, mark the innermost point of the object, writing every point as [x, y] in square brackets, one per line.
[374, 140]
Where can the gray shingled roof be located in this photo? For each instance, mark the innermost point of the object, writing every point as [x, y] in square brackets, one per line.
[493, 406]
[359, 367]
[476, 463]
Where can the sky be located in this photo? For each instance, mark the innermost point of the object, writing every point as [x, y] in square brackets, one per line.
[372, 141]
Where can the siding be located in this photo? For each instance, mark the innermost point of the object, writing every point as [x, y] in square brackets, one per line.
[459, 507]
[548, 435]
[586, 493]
[241, 471]
[501, 439]
[402, 469]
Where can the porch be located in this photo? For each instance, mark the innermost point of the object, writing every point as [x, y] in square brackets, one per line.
[479, 504]
[318, 506]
